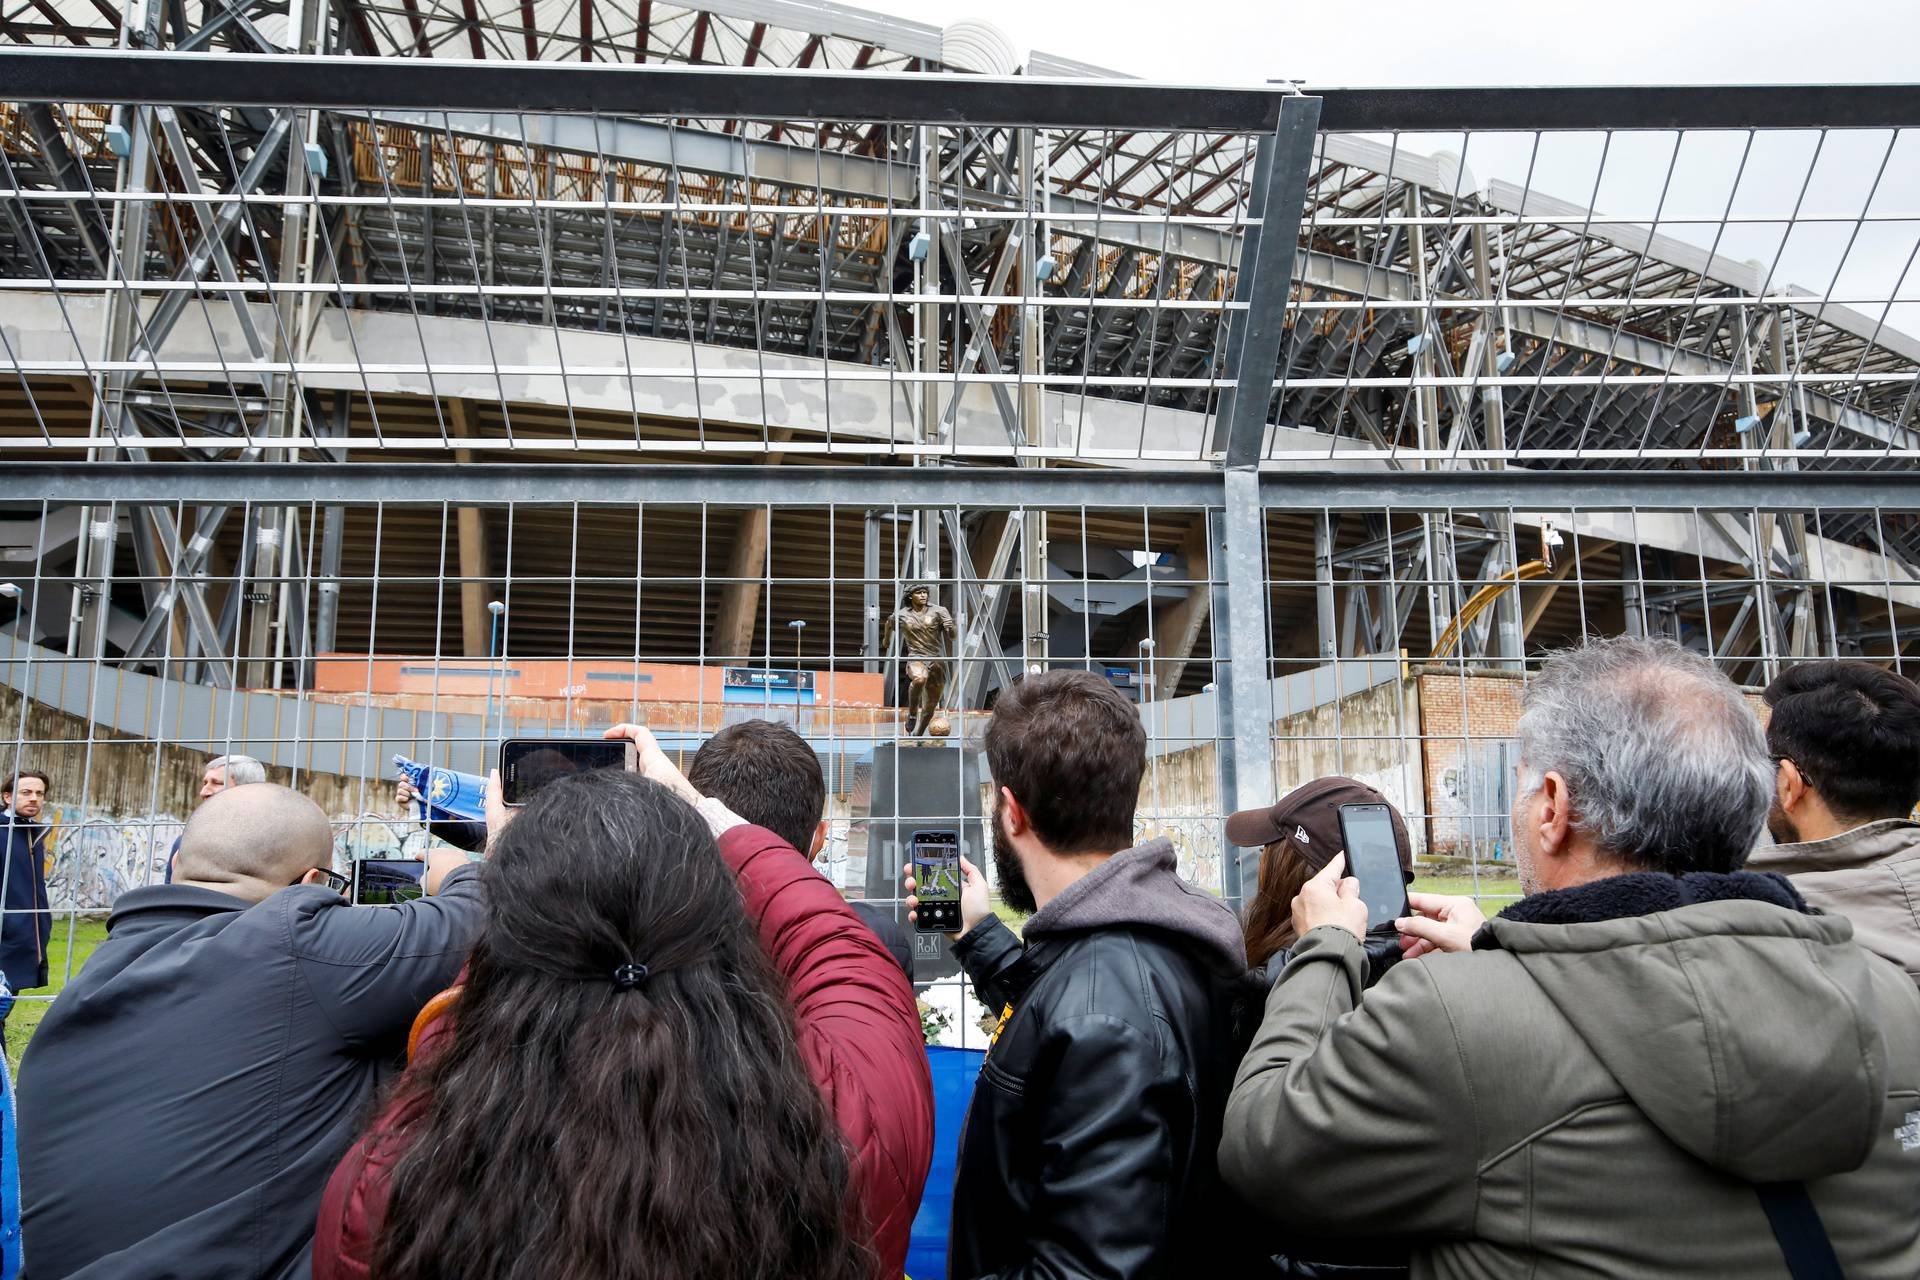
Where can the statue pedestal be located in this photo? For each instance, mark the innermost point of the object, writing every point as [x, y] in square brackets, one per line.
[918, 785]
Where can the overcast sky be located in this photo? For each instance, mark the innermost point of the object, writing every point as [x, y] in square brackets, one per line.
[1408, 42]
[1644, 176]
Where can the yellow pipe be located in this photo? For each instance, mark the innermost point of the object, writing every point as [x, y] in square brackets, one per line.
[1478, 602]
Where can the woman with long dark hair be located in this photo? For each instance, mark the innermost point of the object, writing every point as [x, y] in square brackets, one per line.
[619, 1089]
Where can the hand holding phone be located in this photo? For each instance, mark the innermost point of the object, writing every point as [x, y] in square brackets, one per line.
[1445, 923]
[528, 764]
[936, 879]
[388, 882]
[1373, 858]
[1330, 897]
[652, 762]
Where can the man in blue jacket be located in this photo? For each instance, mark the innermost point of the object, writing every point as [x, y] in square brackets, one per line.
[25, 921]
[186, 1098]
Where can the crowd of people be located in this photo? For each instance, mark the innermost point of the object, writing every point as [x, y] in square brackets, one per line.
[643, 1037]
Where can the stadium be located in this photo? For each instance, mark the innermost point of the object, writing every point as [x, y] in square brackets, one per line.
[558, 363]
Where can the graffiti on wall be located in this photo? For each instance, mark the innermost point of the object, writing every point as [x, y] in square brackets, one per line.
[376, 835]
[91, 861]
[1472, 799]
[1196, 846]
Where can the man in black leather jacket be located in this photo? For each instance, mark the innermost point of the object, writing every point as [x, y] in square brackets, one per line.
[1089, 1145]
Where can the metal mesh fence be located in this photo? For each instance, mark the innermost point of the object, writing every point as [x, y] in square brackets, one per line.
[371, 414]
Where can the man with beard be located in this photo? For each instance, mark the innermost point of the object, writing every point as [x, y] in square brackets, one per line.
[26, 924]
[1845, 737]
[1654, 1064]
[1089, 1145]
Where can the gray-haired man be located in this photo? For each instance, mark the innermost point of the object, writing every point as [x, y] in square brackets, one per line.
[221, 772]
[230, 771]
[1653, 1064]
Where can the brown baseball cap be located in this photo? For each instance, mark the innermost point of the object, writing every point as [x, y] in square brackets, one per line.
[1307, 819]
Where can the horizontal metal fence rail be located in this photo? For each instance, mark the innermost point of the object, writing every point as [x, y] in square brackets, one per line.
[746, 485]
[265, 80]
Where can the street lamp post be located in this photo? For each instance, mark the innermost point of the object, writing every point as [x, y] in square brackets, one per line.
[799, 628]
[496, 608]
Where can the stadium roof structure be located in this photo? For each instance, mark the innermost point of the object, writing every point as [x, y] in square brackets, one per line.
[1068, 294]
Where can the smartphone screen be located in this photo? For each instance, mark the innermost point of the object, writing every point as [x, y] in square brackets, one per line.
[1373, 857]
[936, 878]
[528, 764]
[388, 882]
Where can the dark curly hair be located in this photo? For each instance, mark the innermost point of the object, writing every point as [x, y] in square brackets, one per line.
[664, 1130]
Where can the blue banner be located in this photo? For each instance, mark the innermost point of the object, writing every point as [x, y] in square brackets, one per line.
[954, 1071]
[446, 795]
[779, 685]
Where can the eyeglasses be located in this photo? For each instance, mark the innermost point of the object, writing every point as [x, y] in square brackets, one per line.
[334, 880]
[1804, 775]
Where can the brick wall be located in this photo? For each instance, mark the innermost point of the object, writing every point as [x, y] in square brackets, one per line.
[1468, 749]
[1467, 725]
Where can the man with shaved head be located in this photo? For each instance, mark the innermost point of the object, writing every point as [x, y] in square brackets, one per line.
[191, 1089]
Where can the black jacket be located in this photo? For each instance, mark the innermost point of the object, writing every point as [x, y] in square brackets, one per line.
[25, 922]
[1382, 945]
[1089, 1145]
[880, 921]
[190, 1091]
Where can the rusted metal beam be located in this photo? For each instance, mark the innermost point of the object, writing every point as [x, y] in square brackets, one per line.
[474, 43]
[419, 26]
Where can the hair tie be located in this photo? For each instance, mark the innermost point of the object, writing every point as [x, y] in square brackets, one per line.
[628, 976]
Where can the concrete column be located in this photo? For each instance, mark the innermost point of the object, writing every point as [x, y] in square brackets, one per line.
[739, 612]
[475, 555]
[1177, 627]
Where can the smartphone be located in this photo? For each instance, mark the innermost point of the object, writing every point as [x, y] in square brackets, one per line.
[1373, 858]
[936, 879]
[528, 764]
[388, 882]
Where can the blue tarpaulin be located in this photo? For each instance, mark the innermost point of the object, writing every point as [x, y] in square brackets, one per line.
[953, 1075]
[10, 1163]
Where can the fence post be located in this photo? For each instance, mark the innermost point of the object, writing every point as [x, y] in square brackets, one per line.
[1245, 698]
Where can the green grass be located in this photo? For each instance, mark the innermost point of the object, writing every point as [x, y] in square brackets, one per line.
[90, 932]
[1494, 892]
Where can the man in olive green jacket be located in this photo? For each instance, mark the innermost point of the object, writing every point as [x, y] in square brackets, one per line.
[1606, 1080]
[1846, 738]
